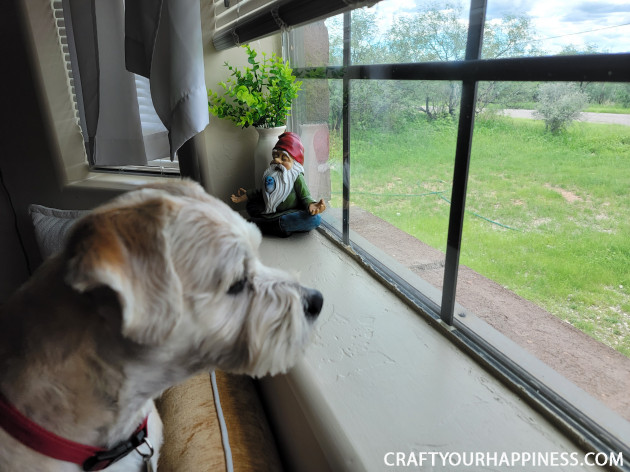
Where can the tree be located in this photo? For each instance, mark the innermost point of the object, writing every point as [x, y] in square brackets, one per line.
[439, 34]
[622, 95]
[436, 33]
[366, 47]
[601, 93]
[559, 104]
[510, 36]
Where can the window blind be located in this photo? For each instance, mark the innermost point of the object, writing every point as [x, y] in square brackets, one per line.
[154, 133]
[240, 21]
[62, 35]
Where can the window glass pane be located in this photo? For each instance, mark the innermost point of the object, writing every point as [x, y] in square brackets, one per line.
[393, 31]
[317, 116]
[545, 253]
[319, 125]
[550, 27]
[402, 147]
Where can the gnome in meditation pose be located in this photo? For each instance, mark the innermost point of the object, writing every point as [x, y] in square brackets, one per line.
[284, 205]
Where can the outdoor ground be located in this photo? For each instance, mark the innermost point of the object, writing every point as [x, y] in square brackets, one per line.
[598, 369]
[611, 118]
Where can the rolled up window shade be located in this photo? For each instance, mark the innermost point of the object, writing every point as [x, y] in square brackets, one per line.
[241, 21]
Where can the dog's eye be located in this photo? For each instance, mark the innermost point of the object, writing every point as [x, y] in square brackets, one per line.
[237, 287]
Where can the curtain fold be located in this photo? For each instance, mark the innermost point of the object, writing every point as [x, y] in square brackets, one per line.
[157, 39]
[164, 43]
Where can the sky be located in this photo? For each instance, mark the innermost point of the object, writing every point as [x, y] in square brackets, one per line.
[603, 23]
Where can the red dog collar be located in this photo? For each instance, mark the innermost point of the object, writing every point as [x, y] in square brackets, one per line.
[49, 444]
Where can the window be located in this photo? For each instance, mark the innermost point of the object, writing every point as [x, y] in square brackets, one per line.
[460, 158]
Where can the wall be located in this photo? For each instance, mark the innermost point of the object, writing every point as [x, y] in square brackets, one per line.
[28, 167]
[229, 148]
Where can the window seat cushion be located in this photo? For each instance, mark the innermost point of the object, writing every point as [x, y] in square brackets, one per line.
[193, 415]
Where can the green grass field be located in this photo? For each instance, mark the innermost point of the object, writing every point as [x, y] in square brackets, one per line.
[547, 216]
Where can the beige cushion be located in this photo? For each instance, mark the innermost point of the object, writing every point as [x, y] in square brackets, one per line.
[192, 433]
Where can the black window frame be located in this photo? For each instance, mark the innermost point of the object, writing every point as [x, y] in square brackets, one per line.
[470, 71]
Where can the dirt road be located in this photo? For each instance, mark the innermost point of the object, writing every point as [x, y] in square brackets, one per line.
[611, 118]
[598, 369]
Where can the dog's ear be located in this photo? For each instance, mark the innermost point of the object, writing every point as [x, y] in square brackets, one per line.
[124, 248]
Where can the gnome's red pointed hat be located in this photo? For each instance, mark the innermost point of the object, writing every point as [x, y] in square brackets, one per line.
[290, 142]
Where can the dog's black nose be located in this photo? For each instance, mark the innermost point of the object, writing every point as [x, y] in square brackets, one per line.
[313, 301]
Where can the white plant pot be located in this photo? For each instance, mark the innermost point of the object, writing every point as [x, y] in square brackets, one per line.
[267, 139]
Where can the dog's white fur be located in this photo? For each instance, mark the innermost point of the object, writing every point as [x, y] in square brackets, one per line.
[140, 300]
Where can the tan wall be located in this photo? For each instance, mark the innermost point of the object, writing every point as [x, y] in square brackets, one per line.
[230, 149]
[30, 163]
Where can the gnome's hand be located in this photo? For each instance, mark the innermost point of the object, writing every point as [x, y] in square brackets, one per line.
[316, 208]
[241, 196]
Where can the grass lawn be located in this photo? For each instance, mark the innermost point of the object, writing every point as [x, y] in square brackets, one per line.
[608, 109]
[547, 216]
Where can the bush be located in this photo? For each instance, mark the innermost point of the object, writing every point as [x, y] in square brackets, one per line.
[623, 95]
[559, 104]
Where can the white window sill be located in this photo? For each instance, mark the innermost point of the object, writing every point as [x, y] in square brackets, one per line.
[379, 379]
[113, 181]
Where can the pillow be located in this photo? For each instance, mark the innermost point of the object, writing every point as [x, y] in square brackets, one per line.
[52, 226]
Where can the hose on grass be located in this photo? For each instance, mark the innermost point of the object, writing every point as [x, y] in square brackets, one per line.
[371, 194]
[439, 194]
[482, 217]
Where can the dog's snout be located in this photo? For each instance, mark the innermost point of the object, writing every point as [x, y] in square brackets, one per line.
[313, 301]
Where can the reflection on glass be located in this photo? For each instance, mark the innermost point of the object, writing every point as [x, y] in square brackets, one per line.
[403, 142]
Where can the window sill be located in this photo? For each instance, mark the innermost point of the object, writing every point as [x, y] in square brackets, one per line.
[378, 378]
[114, 181]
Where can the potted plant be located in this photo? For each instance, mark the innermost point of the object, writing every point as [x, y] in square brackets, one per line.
[260, 96]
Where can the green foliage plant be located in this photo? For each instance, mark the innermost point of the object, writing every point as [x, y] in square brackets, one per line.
[259, 95]
[559, 104]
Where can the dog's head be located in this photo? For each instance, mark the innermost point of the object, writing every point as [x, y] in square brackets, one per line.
[190, 286]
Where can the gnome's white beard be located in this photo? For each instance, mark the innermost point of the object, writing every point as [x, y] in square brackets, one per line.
[284, 181]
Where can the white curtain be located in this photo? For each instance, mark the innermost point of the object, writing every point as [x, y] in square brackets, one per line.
[162, 40]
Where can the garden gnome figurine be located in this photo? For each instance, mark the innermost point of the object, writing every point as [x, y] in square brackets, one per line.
[283, 205]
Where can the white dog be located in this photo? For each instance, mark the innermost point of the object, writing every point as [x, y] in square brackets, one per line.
[150, 289]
